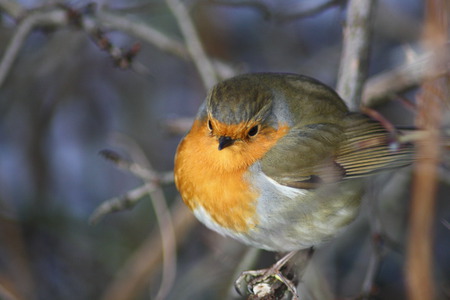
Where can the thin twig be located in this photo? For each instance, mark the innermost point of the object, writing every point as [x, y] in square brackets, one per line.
[168, 242]
[355, 51]
[144, 31]
[127, 201]
[132, 197]
[163, 219]
[137, 169]
[203, 64]
[144, 170]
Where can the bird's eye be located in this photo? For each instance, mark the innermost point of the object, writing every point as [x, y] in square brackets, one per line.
[253, 131]
[210, 125]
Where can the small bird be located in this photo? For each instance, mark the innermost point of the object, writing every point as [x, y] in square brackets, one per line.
[278, 162]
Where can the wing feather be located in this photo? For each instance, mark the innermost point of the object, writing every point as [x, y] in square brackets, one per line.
[311, 155]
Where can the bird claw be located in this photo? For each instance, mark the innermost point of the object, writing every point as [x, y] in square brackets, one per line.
[266, 282]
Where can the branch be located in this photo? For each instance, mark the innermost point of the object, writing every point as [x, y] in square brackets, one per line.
[142, 31]
[431, 100]
[388, 85]
[202, 62]
[12, 8]
[355, 51]
[152, 187]
[94, 22]
[54, 17]
[160, 40]
[131, 198]
[127, 201]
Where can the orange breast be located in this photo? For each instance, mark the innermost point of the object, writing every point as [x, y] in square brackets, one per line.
[214, 179]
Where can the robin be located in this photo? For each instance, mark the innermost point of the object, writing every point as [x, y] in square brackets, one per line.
[278, 162]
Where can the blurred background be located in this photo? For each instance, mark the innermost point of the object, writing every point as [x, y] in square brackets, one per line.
[64, 100]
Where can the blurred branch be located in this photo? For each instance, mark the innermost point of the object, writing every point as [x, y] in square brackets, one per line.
[135, 274]
[127, 201]
[55, 17]
[430, 103]
[142, 31]
[131, 198]
[386, 86]
[202, 62]
[355, 51]
[152, 187]
[12, 8]
[446, 224]
[168, 242]
[94, 21]
[419, 270]
[137, 169]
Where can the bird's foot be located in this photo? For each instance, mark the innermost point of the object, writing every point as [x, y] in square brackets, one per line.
[270, 283]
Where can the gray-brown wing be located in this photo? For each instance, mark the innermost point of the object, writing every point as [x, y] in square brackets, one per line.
[318, 153]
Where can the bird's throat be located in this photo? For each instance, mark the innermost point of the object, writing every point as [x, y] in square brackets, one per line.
[215, 179]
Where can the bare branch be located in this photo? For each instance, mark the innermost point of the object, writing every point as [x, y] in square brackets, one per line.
[152, 187]
[59, 16]
[127, 201]
[202, 62]
[388, 85]
[137, 169]
[132, 197]
[446, 224]
[168, 241]
[55, 17]
[12, 8]
[142, 31]
[355, 51]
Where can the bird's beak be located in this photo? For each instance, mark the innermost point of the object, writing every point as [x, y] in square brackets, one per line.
[225, 141]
